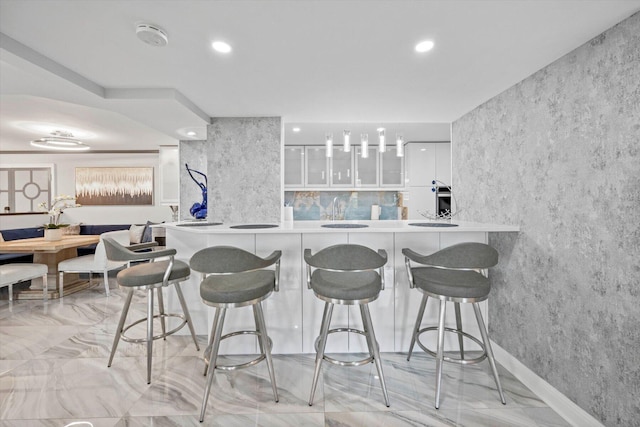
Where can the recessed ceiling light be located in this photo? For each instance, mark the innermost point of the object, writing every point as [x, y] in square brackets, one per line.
[296, 129]
[424, 46]
[221, 47]
[191, 133]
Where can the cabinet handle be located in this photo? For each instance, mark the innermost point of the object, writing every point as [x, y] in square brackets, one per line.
[323, 175]
[348, 173]
[339, 176]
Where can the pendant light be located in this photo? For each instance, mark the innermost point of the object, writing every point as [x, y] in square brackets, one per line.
[329, 144]
[347, 140]
[399, 145]
[382, 145]
[364, 145]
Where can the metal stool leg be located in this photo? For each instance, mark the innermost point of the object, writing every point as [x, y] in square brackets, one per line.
[264, 345]
[218, 323]
[123, 317]
[324, 332]
[185, 310]
[488, 349]
[214, 327]
[459, 327]
[373, 347]
[440, 353]
[416, 328]
[149, 332]
[161, 311]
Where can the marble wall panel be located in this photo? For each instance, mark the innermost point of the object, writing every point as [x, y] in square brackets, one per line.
[559, 155]
[244, 165]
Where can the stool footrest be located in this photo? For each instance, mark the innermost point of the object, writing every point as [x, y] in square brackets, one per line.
[453, 359]
[260, 358]
[344, 362]
[155, 337]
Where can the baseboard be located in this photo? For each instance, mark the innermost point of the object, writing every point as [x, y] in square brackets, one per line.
[557, 401]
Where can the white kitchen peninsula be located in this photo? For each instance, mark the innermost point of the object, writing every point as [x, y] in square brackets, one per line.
[293, 314]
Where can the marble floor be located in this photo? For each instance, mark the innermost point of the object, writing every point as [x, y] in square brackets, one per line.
[53, 371]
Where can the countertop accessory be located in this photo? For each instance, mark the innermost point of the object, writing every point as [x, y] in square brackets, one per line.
[446, 214]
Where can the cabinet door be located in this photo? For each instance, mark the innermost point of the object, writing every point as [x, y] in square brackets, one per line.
[420, 161]
[316, 167]
[341, 168]
[391, 169]
[169, 160]
[293, 166]
[443, 162]
[366, 169]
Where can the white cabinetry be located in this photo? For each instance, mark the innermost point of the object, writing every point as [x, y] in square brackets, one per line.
[316, 167]
[169, 168]
[425, 161]
[294, 166]
[366, 168]
[391, 168]
[341, 168]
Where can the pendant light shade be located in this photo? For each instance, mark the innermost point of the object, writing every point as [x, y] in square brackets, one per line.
[382, 145]
[347, 140]
[364, 145]
[329, 144]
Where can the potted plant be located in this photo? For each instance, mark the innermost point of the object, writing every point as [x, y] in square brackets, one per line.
[53, 228]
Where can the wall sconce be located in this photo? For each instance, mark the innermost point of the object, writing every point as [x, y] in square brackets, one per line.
[382, 145]
[399, 145]
[347, 140]
[364, 145]
[329, 144]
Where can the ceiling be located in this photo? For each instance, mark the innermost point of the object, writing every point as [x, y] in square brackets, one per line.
[78, 65]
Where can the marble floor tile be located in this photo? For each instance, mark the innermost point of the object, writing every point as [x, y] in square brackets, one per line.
[53, 370]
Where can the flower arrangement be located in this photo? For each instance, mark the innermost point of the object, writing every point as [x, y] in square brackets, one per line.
[55, 210]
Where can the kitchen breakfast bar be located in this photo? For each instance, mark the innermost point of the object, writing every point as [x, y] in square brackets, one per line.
[293, 314]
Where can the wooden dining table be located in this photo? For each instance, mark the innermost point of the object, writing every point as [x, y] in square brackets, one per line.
[51, 253]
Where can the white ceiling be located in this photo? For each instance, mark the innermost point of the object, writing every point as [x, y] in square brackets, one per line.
[78, 65]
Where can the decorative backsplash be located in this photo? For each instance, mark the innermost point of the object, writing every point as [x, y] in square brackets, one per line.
[349, 205]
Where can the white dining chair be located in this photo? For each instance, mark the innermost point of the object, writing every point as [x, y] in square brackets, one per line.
[94, 263]
[10, 274]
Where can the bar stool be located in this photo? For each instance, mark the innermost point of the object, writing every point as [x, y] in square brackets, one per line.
[453, 274]
[231, 278]
[345, 274]
[148, 276]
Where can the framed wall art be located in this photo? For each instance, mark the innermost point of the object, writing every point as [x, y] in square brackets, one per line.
[100, 186]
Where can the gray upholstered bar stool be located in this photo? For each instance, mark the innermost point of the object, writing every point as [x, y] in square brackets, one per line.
[346, 274]
[453, 274]
[231, 278]
[156, 274]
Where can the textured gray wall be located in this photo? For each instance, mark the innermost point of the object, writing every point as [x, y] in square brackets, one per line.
[244, 169]
[559, 155]
[194, 153]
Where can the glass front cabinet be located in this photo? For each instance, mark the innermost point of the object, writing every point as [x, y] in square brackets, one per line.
[341, 168]
[366, 168]
[391, 168]
[293, 166]
[316, 167]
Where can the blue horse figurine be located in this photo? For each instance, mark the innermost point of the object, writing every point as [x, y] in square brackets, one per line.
[199, 210]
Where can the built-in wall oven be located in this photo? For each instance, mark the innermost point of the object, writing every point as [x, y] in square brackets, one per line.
[443, 201]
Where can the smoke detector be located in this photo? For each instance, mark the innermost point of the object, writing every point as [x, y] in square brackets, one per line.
[152, 35]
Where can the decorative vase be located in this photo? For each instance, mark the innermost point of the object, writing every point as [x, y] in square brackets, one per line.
[52, 234]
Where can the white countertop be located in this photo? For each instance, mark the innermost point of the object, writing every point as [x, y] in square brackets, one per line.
[373, 227]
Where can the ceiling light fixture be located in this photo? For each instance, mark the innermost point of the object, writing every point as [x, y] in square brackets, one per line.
[424, 46]
[191, 133]
[346, 136]
[364, 145]
[329, 144]
[220, 46]
[152, 35]
[296, 129]
[382, 145]
[60, 140]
